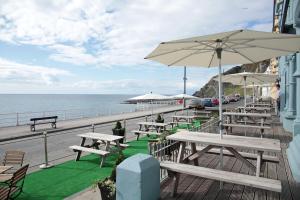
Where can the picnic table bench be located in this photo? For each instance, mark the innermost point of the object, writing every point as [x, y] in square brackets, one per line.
[254, 109]
[230, 121]
[150, 128]
[97, 139]
[43, 120]
[230, 143]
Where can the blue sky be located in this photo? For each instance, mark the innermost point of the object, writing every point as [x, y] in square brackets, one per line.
[93, 46]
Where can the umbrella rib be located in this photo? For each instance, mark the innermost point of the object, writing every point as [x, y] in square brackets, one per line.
[176, 50]
[268, 38]
[241, 43]
[180, 59]
[240, 53]
[212, 57]
[226, 38]
[262, 47]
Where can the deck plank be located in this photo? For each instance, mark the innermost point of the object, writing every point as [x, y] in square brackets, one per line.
[201, 188]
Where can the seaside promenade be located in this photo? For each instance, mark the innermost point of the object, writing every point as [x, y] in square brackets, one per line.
[23, 131]
[59, 140]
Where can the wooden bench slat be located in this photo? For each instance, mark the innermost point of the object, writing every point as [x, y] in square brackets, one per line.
[90, 150]
[146, 132]
[220, 175]
[244, 154]
[247, 126]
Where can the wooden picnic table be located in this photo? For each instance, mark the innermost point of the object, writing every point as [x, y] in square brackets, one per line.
[251, 116]
[259, 105]
[159, 127]
[231, 120]
[228, 142]
[255, 109]
[199, 112]
[97, 139]
[4, 168]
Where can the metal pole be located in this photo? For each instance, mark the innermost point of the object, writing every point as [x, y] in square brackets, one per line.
[17, 119]
[93, 128]
[245, 91]
[253, 92]
[46, 164]
[184, 80]
[219, 54]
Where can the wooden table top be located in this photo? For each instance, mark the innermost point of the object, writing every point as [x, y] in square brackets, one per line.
[101, 136]
[202, 112]
[248, 114]
[184, 116]
[4, 168]
[255, 108]
[153, 124]
[251, 143]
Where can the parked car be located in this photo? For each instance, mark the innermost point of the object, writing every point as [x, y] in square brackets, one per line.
[225, 100]
[233, 99]
[196, 103]
[215, 101]
[207, 102]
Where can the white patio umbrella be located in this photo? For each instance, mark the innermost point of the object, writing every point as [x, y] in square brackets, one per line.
[150, 97]
[183, 96]
[247, 78]
[233, 47]
[257, 86]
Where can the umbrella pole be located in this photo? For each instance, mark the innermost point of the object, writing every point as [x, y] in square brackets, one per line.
[253, 92]
[151, 110]
[245, 95]
[219, 54]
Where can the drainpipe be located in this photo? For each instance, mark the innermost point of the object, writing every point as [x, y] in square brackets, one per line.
[296, 128]
[290, 113]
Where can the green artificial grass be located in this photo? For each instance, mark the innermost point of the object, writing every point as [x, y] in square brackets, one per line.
[71, 177]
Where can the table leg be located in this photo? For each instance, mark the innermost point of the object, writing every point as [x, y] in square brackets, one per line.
[258, 164]
[103, 157]
[118, 146]
[179, 160]
[194, 150]
[79, 152]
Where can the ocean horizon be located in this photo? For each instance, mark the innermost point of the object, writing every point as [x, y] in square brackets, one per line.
[19, 108]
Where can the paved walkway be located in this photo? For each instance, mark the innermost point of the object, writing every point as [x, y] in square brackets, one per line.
[24, 130]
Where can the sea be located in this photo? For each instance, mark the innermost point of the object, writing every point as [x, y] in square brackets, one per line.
[18, 108]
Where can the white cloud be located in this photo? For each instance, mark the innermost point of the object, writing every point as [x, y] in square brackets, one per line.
[107, 33]
[12, 72]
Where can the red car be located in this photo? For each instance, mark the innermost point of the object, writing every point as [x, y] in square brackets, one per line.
[215, 101]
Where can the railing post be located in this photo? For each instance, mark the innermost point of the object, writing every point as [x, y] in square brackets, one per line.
[46, 164]
[17, 119]
[93, 128]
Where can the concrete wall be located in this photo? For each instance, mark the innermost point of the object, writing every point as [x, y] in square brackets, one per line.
[289, 73]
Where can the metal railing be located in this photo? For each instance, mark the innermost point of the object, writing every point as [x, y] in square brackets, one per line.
[22, 118]
[51, 147]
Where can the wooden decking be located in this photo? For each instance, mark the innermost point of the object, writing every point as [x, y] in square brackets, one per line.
[193, 188]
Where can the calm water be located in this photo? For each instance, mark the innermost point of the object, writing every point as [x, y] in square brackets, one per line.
[66, 106]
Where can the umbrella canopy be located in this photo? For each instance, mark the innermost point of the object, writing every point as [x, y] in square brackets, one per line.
[246, 78]
[236, 47]
[258, 85]
[183, 96]
[233, 47]
[149, 97]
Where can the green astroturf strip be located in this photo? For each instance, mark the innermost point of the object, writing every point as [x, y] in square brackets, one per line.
[71, 177]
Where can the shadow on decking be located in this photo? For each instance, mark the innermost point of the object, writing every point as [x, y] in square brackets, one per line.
[195, 188]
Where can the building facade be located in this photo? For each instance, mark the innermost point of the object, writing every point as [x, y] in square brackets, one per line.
[287, 20]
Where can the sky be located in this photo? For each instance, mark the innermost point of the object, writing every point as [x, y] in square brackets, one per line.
[98, 46]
